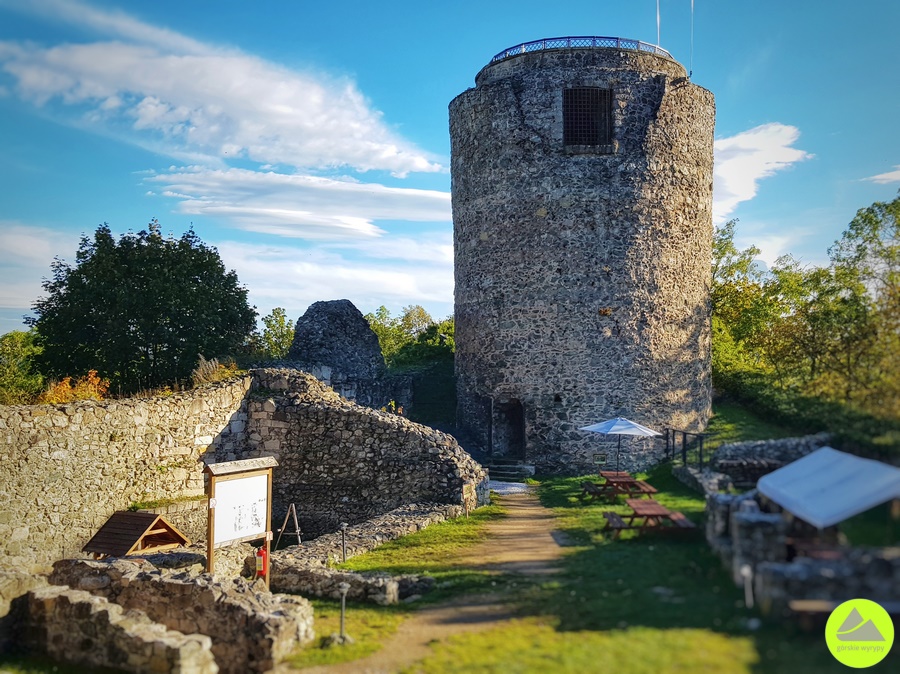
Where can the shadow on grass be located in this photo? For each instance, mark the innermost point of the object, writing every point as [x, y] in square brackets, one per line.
[664, 582]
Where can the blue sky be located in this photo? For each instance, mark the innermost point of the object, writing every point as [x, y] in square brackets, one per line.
[309, 141]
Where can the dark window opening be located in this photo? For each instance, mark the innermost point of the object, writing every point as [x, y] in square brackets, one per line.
[587, 116]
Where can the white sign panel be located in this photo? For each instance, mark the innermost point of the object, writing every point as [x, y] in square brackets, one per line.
[241, 508]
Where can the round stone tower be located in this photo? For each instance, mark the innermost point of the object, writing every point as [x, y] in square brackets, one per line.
[582, 217]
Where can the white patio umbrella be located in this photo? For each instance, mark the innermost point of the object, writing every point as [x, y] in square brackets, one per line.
[620, 426]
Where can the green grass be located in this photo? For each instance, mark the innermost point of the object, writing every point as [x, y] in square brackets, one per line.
[733, 423]
[876, 527]
[368, 625]
[642, 603]
[433, 552]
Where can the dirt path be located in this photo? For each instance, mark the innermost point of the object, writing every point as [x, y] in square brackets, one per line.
[523, 542]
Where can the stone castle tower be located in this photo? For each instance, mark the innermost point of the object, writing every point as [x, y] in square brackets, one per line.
[582, 215]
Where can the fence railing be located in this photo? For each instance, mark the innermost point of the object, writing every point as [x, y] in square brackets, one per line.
[691, 445]
[580, 42]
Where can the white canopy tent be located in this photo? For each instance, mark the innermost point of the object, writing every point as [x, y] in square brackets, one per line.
[828, 486]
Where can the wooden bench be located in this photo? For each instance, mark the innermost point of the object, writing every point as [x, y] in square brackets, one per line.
[681, 521]
[593, 490]
[812, 614]
[615, 522]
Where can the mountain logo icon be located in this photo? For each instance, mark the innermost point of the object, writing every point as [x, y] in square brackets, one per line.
[857, 628]
[859, 633]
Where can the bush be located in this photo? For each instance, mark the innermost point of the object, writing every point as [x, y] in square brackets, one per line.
[854, 431]
[89, 387]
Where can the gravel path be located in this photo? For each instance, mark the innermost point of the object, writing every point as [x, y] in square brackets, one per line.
[523, 542]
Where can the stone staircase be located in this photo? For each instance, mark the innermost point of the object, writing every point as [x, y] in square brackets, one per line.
[509, 470]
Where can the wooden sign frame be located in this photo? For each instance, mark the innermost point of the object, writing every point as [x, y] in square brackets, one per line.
[231, 473]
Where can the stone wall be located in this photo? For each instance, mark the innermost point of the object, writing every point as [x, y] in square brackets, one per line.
[582, 275]
[64, 469]
[251, 629]
[753, 545]
[340, 462]
[868, 573]
[78, 627]
[746, 462]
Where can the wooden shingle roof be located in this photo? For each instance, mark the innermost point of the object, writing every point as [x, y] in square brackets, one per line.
[127, 532]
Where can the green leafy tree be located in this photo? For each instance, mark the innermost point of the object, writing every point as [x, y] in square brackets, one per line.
[414, 321]
[19, 382]
[140, 310]
[277, 336]
[390, 334]
[433, 345]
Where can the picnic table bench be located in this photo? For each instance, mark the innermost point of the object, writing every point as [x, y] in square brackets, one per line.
[616, 485]
[652, 515]
[813, 613]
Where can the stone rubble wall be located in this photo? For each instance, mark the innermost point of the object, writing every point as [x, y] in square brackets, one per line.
[64, 469]
[78, 627]
[341, 462]
[304, 569]
[753, 542]
[251, 629]
[868, 573]
[705, 481]
[746, 462]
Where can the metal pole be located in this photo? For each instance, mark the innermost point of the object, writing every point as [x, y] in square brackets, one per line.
[344, 541]
[343, 588]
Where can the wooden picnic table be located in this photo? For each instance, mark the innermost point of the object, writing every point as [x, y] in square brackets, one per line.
[614, 473]
[616, 485]
[653, 515]
[652, 512]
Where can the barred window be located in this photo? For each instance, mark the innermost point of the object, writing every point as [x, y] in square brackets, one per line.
[587, 116]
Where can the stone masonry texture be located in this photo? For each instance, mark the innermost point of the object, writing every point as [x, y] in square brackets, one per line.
[582, 274]
[64, 469]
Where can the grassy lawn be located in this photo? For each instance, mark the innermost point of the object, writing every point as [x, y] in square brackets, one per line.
[642, 603]
[732, 423]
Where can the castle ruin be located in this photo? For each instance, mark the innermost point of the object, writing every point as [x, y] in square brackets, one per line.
[582, 212]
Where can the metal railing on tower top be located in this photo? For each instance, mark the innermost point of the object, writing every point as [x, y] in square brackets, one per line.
[582, 42]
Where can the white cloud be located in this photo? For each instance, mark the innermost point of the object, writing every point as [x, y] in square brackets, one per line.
[748, 157]
[301, 206]
[26, 253]
[887, 178]
[294, 278]
[192, 98]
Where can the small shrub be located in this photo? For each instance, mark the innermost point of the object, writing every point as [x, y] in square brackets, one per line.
[88, 387]
[209, 371]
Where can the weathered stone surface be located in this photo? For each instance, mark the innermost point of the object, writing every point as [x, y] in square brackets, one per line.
[14, 587]
[251, 629]
[340, 462]
[59, 484]
[746, 462]
[705, 481]
[861, 572]
[76, 626]
[335, 334]
[304, 568]
[582, 276]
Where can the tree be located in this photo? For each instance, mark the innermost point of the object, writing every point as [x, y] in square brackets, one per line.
[19, 383]
[140, 310]
[278, 334]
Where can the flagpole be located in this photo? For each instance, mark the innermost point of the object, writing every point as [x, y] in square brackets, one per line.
[657, 23]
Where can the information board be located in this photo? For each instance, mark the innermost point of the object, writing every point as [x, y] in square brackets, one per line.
[241, 508]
